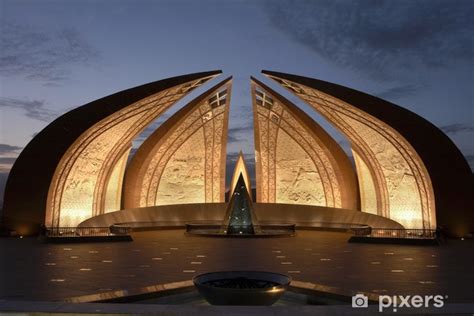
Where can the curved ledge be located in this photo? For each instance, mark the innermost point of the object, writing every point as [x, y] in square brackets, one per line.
[300, 215]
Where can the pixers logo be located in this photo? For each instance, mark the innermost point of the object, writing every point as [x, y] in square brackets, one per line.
[410, 301]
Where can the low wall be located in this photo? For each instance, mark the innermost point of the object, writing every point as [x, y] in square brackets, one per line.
[307, 215]
[301, 215]
[174, 215]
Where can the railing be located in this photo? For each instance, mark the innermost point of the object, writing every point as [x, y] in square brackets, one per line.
[356, 229]
[398, 233]
[361, 230]
[86, 231]
[158, 224]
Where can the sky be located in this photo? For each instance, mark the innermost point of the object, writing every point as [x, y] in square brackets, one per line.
[58, 55]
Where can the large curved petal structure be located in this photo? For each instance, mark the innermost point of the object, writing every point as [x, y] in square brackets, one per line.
[407, 172]
[408, 169]
[72, 169]
[297, 162]
[183, 161]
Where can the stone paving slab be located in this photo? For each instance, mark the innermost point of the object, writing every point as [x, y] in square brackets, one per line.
[30, 270]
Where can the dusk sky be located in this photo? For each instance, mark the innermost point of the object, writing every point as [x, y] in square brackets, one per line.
[57, 55]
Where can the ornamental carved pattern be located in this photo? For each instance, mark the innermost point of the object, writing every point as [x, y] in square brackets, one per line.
[113, 194]
[403, 187]
[367, 186]
[208, 123]
[315, 179]
[263, 153]
[272, 156]
[298, 179]
[219, 155]
[182, 180]
[203, 125]
[78, 187]
[292, 131]
[165, 152]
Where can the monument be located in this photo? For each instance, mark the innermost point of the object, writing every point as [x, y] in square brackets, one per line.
[81, 170]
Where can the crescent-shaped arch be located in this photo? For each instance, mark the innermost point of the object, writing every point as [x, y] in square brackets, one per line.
[63, 175]
[183, 161]
[410, 171]
[297, 162]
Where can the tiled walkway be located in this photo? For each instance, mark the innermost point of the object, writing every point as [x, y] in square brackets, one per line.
[30, 270]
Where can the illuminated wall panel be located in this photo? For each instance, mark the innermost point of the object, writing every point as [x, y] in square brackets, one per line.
[79, 187]
[113, 195]
[297, 178]
[368, 192]
[182, 181]
[183, 161]
[404, 198]
[77, 200]
[296, 161]
[403, 185]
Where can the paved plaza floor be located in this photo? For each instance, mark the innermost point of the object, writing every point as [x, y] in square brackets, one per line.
[30, 270]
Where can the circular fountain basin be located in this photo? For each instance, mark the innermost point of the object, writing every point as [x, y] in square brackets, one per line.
[241, 287]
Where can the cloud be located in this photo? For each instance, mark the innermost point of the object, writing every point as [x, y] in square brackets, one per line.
[457, 128]
[5, 166]
[38, 54]
[399, 92]
[6, 149]
[34, 109]
[232, 157]
[7, 160]
[237, 134]
[382, 39]
[240, 129]
[233, 139]
[150, 129]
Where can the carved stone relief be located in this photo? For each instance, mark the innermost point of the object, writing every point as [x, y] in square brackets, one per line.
[401, 181]
[311, 176]
[197, 141]
[79, 186]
